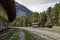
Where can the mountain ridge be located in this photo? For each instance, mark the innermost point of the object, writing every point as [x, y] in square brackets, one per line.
[21, 10]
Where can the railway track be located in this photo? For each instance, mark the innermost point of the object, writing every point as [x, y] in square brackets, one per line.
[4, 32]
[50, 29]
[47, 37]
[35, 37]
[42, 36]
[31, 35]
[44, 33]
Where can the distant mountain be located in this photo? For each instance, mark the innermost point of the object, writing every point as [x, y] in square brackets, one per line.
[21, 10]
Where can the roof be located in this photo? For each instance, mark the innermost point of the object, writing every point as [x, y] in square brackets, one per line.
[9, 6]
[36, 23]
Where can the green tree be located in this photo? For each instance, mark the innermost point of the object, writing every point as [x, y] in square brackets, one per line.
[43, 17]
[49, 17]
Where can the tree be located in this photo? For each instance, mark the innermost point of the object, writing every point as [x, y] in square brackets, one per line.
[48, 14]
[43, 17]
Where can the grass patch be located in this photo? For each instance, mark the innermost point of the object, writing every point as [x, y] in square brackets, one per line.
[9, 35]
[27, 36]
[38, 37]
[16, 37]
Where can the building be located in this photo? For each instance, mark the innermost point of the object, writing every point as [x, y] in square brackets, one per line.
[37, 24]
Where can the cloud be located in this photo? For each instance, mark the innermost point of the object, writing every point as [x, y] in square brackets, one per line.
[38, 5]
[41, 8]
[34, 2]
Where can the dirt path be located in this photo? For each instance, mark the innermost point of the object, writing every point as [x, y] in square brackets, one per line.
[22, 35]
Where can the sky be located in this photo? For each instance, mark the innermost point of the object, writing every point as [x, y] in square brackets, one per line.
[38, 5]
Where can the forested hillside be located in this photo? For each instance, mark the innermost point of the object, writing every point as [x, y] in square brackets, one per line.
[49, 17]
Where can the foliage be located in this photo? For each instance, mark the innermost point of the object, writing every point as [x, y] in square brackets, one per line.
[49, 17]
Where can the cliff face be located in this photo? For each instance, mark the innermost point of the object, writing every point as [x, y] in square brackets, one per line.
[9, 6]
[12, 11]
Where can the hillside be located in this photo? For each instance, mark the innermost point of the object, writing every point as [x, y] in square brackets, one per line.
[22, 10]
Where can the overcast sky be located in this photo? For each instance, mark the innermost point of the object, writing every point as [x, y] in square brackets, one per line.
[38, 5]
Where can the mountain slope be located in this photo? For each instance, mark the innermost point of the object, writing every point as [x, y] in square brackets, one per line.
[21, 10]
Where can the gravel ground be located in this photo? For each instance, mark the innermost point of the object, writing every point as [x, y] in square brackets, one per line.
[46, 34]
[22, 35]
[4, 34]
[50, 29]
